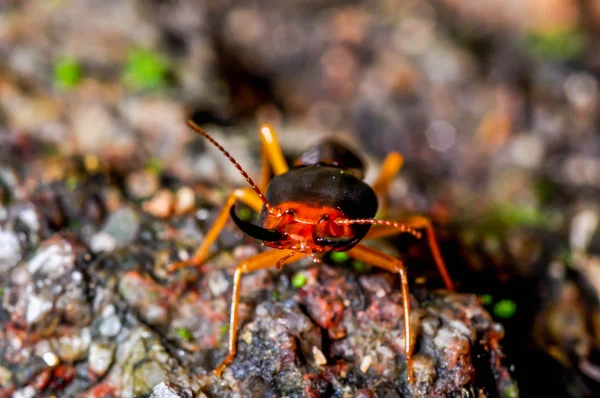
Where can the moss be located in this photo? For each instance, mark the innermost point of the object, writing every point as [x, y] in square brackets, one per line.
[184, 334]
[360, 266]
[299, 280]
[245, 214]
[505, 308]
[223, 330]
[339, 257]
[558, 44]
[67, 73]
[145, 70]
[155, 166]
[486, 299]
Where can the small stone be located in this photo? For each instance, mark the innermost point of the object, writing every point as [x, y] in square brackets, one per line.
[50, 358]
[100, 358]
[37, 308]
[161, 205]
[5, 377]
[168, 390]
[583, 227]
[185, 200]
[27, 392]
[74, 347]
[366, 364]
[319, 356]
[142, 184]
[102, 242]
[10, 251]
[122, 226]
[217, 283]
[110, 326]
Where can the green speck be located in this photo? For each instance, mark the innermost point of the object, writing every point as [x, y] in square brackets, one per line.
[184, 334]
[566, 257]
[74, 224]
[511, 391]
[67, 73]
[299, 280]
[559, 44]
[145, 69]
[359, 266]
[155, 166]
[339, 257]
[275, 295]
[71, 183]
[517, 216]
[245, 214]
[1, 292]
[486, 299]
[223, 330]
[505, 308]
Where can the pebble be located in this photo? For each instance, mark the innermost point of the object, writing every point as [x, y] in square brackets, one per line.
[161, 204]
[319, 356]
[168, 390]
[142, 184]
[122, 226]
[74, 347]
[5, 377]
[100, 358]
[365, 364]
[185, 200]
[103, 242]
[583, 227]
[10, 251]
[37, 308]
[110, 326]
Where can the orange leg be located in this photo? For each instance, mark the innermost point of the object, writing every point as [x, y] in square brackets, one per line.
[418, 222]
[271, 155]
[391, 264]
[246, 195]
[259, 261]
[390, 168]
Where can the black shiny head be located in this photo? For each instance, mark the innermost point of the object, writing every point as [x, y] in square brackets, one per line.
[326, 187]
[266, 235]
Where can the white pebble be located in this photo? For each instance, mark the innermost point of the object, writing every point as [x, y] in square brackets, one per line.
[366, 364]
[319, 356]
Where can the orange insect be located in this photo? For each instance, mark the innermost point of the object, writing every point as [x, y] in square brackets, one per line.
[319, 205]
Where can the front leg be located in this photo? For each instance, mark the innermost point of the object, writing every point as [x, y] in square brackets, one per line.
[259, 261]
[245, 195]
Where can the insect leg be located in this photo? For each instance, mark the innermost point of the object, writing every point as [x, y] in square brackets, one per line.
[271, 155]
[418, 222]
[390, 168]
[391, 264]
[245, 195]
[259, 261]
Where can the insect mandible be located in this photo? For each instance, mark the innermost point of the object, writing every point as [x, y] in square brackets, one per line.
[320, 205]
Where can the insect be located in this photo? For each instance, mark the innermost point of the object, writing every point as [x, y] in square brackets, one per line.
[320, 205]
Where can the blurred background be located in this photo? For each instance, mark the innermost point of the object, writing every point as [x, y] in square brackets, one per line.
[494, 105]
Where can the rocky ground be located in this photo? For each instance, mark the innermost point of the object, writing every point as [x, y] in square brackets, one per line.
[494, 107]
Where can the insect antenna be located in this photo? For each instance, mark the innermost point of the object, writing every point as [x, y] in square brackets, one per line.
[399, 226]
[204, 134]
